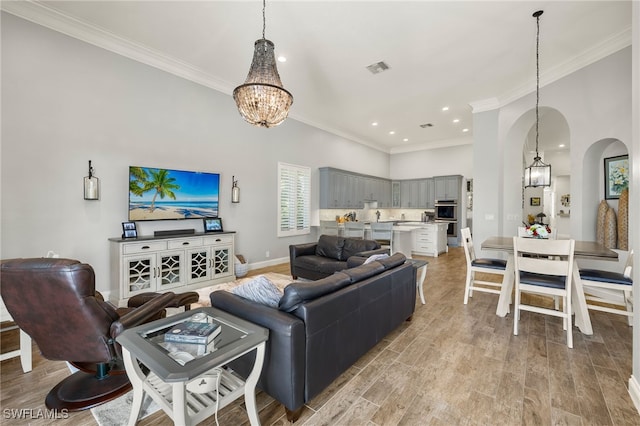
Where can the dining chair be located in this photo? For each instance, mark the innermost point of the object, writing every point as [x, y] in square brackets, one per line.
[382, 232]
[610, 288]
[544, 267]
[485, 265]
[354, 229]
[328, 227]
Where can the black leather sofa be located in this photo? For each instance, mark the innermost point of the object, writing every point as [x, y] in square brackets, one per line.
[322, 327]
[328, 255]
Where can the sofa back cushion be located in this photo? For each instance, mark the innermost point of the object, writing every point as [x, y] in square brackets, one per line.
[330, 246]
[392, 261]
[297, 293]
[353, 246]
[363, 271]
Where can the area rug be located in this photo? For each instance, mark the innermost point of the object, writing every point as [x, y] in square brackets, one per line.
[116, 412]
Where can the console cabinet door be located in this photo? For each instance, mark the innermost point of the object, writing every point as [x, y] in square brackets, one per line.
[198, 265]
[139, 274]
[170, 270]
[221, 261]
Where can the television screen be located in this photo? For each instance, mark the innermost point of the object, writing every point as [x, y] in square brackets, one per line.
[160, 194]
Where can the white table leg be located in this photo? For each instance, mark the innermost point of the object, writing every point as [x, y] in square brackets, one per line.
[180, 412]
[250, 386]
[25, 352]
[582, 320]
[137, 379]
[420, 283]
[507, 288]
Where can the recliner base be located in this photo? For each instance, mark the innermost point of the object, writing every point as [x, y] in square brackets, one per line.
[81, 391]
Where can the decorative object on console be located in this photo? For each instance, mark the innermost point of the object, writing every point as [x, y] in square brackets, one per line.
[129, 230]
[235, 190]
[212, 224]
[261, 100]
[91, 185]
[538, 173]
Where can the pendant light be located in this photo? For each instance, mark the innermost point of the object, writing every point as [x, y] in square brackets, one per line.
[538, 173]
[261, 100]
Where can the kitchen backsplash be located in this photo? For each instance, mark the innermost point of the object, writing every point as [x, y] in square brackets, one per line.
[369, 215]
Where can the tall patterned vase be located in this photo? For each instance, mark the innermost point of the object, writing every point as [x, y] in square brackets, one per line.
[603, 207]
[623, 220]
[610, 229]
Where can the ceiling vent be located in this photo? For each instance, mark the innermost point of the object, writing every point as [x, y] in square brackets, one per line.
[425, 125]
[378, 67]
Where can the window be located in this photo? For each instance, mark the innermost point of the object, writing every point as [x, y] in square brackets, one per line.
[294, 194]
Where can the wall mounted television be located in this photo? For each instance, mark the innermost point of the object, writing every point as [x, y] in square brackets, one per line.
[162, 194]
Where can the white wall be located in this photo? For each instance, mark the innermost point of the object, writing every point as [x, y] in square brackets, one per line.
[65, 102]
[456, 160]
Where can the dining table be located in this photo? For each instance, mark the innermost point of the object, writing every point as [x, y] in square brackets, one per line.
[583, 250]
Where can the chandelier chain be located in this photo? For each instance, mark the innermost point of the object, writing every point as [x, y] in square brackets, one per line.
[264, 18]
[537, 80]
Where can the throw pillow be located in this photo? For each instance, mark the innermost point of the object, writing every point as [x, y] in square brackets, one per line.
[259, 290]
[375, 257]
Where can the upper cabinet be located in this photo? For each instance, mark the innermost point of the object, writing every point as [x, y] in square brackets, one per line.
[448, 187]
[416, 193]
[340, 189]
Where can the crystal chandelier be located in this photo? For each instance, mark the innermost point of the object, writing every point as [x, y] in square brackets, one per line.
[261, 100]
[538, 173]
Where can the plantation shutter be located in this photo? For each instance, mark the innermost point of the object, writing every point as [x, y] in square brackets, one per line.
[294, 195]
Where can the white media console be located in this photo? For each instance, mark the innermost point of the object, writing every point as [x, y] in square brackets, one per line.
[176, 263]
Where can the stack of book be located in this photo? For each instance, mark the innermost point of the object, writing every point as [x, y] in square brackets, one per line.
[195, 338]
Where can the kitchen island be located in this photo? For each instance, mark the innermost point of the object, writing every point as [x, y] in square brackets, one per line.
[421, 238]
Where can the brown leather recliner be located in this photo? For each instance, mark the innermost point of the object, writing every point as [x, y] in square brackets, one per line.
[54, 301]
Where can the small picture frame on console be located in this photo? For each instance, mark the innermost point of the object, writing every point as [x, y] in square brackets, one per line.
[129, 230]
[212, 224]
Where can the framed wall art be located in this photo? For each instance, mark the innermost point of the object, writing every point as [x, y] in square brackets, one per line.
[616, 176]
[534, 201]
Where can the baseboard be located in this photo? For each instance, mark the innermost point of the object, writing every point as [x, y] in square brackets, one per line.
[634, 392]
[266, 263]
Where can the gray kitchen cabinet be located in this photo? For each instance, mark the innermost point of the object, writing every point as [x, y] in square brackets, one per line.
[447, 187]
[340, 189]
[395, 194]
[426, 193]
[410, 194]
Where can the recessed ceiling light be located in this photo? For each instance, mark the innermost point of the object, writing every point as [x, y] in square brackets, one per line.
[561, 145]
[456, 120]
[393, 132]
[282, 59]
[445, 108]
[375, 123]
[405, 140]
[465, 130]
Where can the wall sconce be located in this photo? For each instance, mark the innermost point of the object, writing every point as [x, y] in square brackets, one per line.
[235, 190]
[91, 185]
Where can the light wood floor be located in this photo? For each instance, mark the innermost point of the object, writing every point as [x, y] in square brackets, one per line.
[451, 365]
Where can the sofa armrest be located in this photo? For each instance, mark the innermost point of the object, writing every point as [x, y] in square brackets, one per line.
[368, 253]
[302, 250]
[284, 364]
